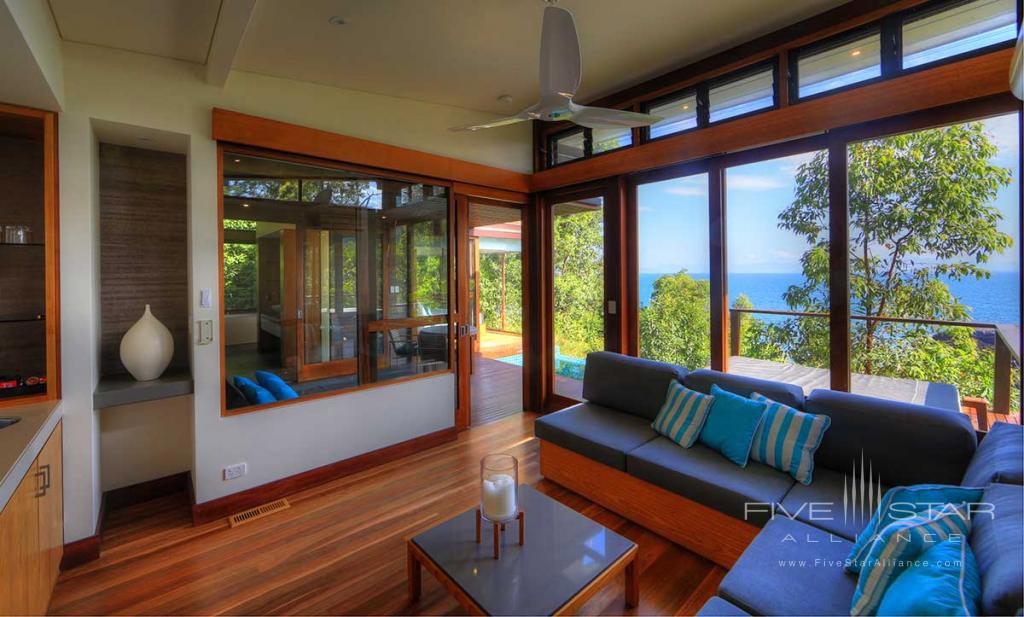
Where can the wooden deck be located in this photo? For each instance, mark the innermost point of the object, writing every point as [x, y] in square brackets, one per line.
[340, 548]
[497, 390]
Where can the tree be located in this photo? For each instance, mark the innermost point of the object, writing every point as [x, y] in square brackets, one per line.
[920, 214]
[579, 282]
[676, 325]
[239, 270]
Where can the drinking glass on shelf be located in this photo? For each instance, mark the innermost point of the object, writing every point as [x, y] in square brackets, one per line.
[17, 234]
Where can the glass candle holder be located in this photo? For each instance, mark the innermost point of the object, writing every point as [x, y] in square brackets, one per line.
[499, 487]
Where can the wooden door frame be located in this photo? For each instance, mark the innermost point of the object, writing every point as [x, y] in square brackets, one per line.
[463, 197]
[613, 192]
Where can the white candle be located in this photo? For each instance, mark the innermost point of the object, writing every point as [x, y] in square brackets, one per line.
[499, 497]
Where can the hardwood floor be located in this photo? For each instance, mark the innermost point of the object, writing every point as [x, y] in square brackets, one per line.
[340, 548]
[497, 390]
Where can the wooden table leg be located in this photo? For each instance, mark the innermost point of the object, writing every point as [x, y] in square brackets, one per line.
[478, 523]
[522, 528]
[413, 571]
[497, 540]
[632, 585]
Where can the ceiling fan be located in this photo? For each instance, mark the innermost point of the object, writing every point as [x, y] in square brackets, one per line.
[560, 71]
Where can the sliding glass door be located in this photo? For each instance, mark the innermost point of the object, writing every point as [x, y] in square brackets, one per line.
[582, 279]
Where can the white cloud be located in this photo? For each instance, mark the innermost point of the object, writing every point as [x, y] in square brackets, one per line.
[688, 191]
[744, 182]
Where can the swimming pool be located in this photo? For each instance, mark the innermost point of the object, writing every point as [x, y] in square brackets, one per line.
[566, 366]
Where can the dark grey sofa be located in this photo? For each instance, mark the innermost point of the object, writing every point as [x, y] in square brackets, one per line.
[890, 443]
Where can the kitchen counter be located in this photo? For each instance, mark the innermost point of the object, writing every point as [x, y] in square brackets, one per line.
[20, 443]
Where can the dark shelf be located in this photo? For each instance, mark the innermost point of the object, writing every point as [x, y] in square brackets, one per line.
[114, 390]
[22, 319]
[36, 244]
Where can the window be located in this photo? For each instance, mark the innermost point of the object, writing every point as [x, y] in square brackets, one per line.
[840, 64]
[332, 278]
[679, 113]
[604, 140]
[674, 260]
[742, 95]
[934, 264]
[777, 218]
[567, 146]
[578, 278]
[958, 29]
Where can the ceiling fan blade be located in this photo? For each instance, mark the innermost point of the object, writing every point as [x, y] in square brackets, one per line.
[527, 114]
[603, 118]
[560, 64]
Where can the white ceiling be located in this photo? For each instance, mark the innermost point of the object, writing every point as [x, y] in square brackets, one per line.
[456, 52]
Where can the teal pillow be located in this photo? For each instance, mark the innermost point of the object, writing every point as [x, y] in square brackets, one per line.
[788, 439]
[902, 502]
[898, 546]
[944, 580]
[732, 422]
[277, 386]
[682, 415]
[254, 393]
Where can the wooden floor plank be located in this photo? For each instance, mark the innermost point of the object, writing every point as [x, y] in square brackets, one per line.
[340, 548]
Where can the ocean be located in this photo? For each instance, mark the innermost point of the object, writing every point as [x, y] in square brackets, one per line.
[994, 300]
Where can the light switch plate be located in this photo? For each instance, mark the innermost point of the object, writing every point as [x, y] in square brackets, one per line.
[205, 298]
[205, 331]
[612, 307]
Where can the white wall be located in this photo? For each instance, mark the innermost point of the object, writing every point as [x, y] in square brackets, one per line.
[110, 85]
[145, 441]
[31, 73]
[241, 328]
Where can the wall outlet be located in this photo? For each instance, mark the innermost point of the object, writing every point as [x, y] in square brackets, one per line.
[235, 471]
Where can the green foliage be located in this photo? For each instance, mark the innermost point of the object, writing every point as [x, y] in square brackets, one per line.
[239, 271]
[490, 291]
[579, 282]
[676, 325]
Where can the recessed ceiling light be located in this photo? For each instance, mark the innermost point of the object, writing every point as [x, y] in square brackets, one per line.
[855, 52]
[686, 106]
[245, 205]
[337, 20]
[238, 160]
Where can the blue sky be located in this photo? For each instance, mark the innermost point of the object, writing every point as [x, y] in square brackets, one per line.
[673, 215]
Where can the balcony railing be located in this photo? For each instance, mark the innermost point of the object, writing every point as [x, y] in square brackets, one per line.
[1007, 351]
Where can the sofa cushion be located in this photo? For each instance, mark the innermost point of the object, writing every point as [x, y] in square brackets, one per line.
[1000, 457]
[998, 544]
[717, 607]
[731, 424]
[599, 433]
[705, 476]
[943, 580]
[901, 443]
[683, 415]
[821, 503]
[785, 393]
[791, 568]
[788, 439]
[629, 384]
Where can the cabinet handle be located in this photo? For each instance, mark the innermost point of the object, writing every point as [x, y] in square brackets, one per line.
[42, 488]
[46, 476]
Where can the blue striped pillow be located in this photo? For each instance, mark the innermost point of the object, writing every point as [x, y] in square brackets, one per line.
[898, 546]
[788, 439]
[683, 414]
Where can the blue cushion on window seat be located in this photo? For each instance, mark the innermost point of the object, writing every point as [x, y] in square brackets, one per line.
[277, 386]
[254, 393]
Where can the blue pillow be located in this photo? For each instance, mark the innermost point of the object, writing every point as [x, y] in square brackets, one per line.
[788, 439]
[254, 393]
[896, 548]
[683, 414]
[944, 580]
[902, 502]
[731, 424]
[276, 385]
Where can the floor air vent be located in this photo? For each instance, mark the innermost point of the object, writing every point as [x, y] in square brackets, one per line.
[258, 512]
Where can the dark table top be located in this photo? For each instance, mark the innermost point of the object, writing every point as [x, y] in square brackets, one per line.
[563, 552]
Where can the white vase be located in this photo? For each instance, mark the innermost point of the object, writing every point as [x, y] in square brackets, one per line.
[147, 348]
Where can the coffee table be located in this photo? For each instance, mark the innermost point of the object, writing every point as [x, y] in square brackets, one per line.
[565, 560]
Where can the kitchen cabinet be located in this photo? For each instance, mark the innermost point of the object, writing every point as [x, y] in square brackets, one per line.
[32, 534]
